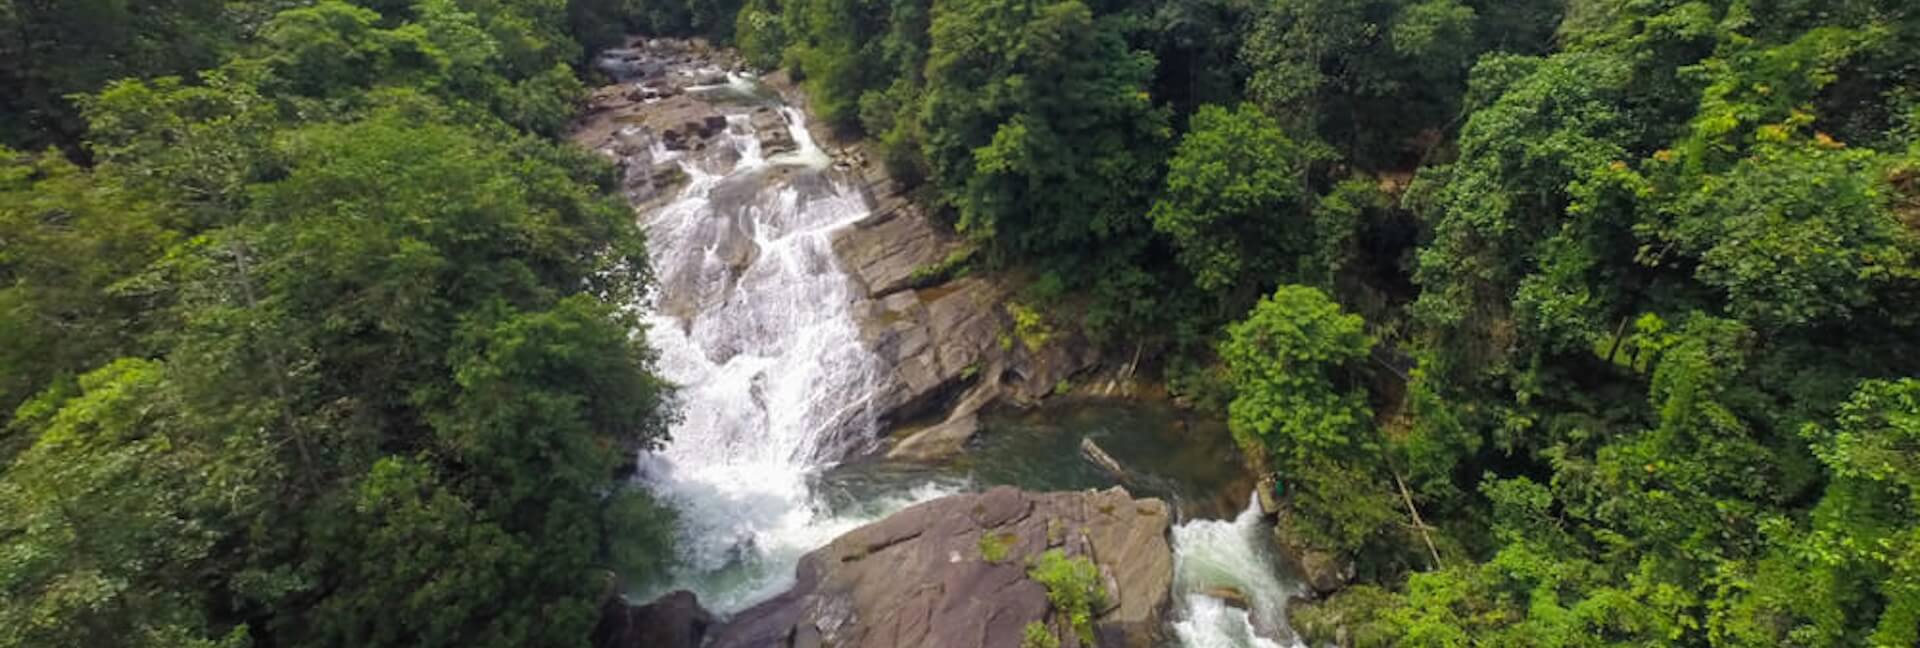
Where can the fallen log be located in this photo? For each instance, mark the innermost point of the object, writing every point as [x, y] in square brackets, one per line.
[1092, 452]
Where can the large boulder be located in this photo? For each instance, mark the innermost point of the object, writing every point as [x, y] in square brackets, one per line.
[675, 620]
[887, 249]
[949, 342]
[937, 442]
[771, 128]
[1323, 572]
[935, 341]
[921, 577]
[951, 351]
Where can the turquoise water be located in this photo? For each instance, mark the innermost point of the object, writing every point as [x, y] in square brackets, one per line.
[1187, 460]
[1221, 540]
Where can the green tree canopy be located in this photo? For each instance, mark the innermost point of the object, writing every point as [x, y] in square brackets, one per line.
[1233, 200]
[1039, 131]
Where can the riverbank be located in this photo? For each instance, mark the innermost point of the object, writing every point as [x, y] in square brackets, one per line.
[947, 345]
[828, 377]
[948, 336]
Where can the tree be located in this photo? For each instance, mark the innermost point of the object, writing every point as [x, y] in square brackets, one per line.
[1864, 538]
[1038, 130]
[112, 514]
[1296, 402]
[410, 562]
[1197, 44]
[54, 49]
[1794, 234]
[374, 349]
[70, 243]
[836, 47]
[761, 33]
[1367, 75]
[1503, 209]
[1289, 362]
[1233, 203]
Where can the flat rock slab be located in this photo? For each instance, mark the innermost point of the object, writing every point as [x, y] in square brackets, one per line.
[918, 577]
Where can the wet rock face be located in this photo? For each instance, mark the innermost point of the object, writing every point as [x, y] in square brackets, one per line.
[1324, 572]
[940, 341]
[675, 620]
[771, 127]
[946, 342]
[919, 577]
[664, 95]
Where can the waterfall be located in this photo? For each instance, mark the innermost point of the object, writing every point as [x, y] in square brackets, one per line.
[1215, 556]
[754, 322]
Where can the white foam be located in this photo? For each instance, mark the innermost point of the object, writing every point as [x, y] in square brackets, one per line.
[1209, 555]
[775, 383]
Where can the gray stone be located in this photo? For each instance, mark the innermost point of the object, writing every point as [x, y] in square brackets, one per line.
[937, 442]
[770, 127]
[1323, 572]
[1230, 595]
[917, 577]
[675, 620]
[885, 250]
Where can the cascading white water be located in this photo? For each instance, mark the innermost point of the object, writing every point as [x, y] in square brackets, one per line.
[1214, 555]
[753, 320]
[754, 323]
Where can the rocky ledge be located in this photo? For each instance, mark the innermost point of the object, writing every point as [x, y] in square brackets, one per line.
[919, 577]
[672, 621]
[949, 343]
[678, 94]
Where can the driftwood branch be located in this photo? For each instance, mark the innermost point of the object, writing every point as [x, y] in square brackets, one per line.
[1417, 522]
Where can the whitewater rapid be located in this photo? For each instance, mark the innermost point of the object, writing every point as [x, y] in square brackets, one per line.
[775, 384]
[1236, 555]
[753, 321]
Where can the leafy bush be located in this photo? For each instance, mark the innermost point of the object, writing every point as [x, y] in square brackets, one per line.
[1073, 586]
[956, 265]
[639, 535]
[1029, 326]
[1037, 636]
[994, 546]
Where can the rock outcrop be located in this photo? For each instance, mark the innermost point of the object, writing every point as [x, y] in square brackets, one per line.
[950, 344]
[922, 577]
[1323, 572]
[665, 95]
[675, 620]
[770, 127]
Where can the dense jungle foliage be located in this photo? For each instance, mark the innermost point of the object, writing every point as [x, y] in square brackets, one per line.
[1569, 322]
[312, 334]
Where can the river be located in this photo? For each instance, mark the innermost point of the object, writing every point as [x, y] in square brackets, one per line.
[754, 322]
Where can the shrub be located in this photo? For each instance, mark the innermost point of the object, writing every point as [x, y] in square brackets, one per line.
[1073, 586]
[994, 546]
[1037, 636]
[956, 265]
[1029, 325]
